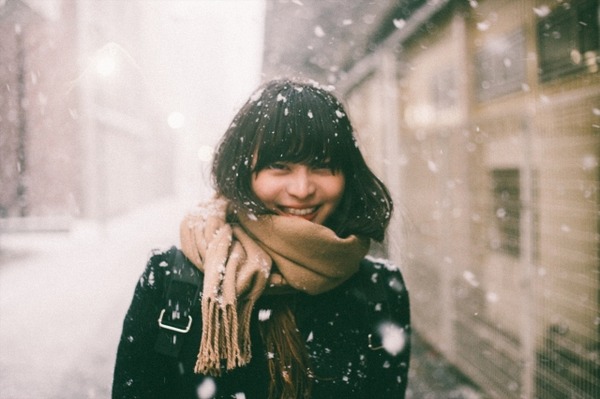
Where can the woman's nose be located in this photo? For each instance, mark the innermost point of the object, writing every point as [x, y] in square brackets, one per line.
[301, 184]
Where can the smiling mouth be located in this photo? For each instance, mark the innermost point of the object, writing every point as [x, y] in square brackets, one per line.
[299, 212]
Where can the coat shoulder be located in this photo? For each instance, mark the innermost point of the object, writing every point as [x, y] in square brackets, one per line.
[161, 256]
[383, 273]
[172, 264]
[159, 266]
[380, 284]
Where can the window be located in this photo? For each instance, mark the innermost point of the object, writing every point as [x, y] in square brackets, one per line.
[501, 67]
[507, 210]
[568, 40]
[444, 90]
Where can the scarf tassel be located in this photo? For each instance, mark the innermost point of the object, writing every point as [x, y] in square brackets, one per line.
[221, 339]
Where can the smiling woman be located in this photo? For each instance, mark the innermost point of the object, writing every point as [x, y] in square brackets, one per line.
[291, 306]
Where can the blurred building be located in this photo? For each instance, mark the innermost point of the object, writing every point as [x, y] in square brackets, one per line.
[79, 136]
[125, 138]
[483, 118]
[38, 132]
[322, 40]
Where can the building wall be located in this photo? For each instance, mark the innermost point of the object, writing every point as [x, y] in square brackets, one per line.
[496, 165]
[37, 113]
[11, 124]
[124, 139]
[76, 140]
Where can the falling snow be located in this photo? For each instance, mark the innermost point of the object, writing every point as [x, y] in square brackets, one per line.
[264, 314]
[393, 338]
[470, 278]
[319, 32]
[399, 23]
[207, 389]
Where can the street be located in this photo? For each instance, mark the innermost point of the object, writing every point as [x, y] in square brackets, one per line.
[63, 296]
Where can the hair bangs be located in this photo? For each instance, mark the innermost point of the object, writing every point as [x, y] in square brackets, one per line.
[300, 128]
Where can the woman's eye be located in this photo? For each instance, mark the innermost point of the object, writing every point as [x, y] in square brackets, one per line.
[278, 166]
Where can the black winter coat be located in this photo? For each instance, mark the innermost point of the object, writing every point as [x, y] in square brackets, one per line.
[336, 327]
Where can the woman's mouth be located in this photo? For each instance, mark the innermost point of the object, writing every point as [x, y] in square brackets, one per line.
[306, 213]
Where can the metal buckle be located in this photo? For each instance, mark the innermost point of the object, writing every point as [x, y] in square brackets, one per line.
[172, 328]
[370, 343]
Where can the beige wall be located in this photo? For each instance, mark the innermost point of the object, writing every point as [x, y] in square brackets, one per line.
[491, 312]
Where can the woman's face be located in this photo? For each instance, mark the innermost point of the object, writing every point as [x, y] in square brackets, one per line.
[292, 189]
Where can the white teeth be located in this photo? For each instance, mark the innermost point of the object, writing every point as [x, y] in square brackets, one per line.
[299, 212]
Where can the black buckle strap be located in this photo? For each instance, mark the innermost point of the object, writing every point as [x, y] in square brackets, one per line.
[374, 342]
[182, 290]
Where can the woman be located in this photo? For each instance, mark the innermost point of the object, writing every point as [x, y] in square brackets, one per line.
[290, 306]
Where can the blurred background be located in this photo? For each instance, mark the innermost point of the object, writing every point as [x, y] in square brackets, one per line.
[482, 117]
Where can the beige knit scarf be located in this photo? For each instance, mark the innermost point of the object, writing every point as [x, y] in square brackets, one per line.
[265, 254]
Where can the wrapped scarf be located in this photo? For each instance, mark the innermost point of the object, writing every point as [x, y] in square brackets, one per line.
[237, 261]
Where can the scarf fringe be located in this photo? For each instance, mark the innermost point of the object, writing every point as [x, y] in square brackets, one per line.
[220, 338]
[244, 325]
